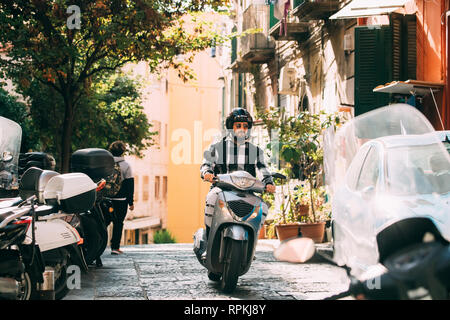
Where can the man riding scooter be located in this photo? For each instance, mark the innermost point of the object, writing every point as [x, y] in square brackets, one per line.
[232, 153]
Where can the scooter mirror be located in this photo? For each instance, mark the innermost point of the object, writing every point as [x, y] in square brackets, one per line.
[295, 250]
[7, 156]
[278, 175]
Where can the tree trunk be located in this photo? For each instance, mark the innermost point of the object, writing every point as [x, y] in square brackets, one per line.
[66, 141]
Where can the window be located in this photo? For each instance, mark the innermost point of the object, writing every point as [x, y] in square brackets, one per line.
[355, 168]
[368, 176]
[157, 187]
[383, 54]
[136, 183]
[165, 187]
[145, 189]
[166, 132]
[156, 128]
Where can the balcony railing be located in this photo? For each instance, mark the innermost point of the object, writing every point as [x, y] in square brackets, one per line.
[307, 10]
[294, 30]
[257, 47]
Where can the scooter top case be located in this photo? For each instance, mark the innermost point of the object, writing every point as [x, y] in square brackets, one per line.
[95, 162]
[72, 192]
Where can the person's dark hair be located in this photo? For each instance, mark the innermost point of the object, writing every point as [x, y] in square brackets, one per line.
[117, 148]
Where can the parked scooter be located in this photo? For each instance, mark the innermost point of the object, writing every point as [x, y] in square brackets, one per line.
[21, 264]
[99, 165]
[93, 228]
[59, 242]
[238, 216]
[419, 271]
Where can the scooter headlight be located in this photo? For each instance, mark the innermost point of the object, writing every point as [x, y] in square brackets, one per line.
[243, 182]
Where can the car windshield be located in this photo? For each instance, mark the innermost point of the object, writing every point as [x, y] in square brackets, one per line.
[417, 169]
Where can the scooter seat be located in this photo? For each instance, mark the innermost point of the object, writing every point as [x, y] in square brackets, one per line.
[45, 210]
[5, 213]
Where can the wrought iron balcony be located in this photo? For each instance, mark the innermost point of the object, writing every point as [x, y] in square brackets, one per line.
[257, 47]
[291, 30]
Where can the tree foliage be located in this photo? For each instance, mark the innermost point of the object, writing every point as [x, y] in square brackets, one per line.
[111, 111]
[42, 46]
[16, 111]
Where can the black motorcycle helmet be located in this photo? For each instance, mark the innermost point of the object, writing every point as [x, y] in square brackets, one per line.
[238, 115]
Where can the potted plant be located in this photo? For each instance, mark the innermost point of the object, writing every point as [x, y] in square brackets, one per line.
[313, 221]
[300, 145]
[284, 224]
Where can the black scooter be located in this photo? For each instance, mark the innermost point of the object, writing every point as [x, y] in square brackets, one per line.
[419, 271]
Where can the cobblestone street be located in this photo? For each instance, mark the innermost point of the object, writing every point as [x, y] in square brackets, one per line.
[171, 272]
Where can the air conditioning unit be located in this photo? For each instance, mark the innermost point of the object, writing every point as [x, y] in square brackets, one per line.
[348, 43]
[287, 81]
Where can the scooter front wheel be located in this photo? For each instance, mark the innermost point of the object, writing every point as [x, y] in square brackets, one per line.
[214, 276]
[232, 263]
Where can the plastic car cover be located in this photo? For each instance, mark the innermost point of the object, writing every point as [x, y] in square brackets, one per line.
[413, 179]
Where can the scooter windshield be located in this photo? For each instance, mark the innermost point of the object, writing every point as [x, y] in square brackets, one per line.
[10, 140]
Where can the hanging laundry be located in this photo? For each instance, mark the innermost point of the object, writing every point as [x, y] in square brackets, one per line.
[281, 10]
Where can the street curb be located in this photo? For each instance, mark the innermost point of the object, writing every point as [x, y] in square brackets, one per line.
[322, 249]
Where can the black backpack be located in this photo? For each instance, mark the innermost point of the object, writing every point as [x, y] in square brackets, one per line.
[113, 182]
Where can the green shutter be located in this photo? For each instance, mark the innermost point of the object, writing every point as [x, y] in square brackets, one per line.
[373, 66]
[410, 46]
[397, 48]
[297, 3]
[233, 46]
[404, 46]
[240, 90]
[273, 21]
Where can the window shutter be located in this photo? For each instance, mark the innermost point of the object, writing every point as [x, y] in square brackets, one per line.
[411, 46]
[404, 52]
[233, 46]
[373, 66]
[397, 52]
[240, 89]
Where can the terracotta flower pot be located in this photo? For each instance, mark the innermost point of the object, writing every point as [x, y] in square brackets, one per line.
[262, 232]
[287, 231]
[315, 231]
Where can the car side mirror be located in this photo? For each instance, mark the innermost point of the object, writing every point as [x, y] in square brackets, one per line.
[368, 192]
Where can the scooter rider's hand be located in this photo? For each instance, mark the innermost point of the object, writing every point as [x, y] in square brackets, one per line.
[270, 188]
[208, 177]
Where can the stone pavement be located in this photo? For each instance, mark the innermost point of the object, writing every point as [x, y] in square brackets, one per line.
[172, 272]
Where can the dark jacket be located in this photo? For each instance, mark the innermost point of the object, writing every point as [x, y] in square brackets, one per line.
[249, 157]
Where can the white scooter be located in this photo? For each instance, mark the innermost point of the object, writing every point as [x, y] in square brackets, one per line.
[59, 242]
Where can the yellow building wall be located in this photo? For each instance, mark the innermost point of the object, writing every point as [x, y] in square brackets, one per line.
[194, 118]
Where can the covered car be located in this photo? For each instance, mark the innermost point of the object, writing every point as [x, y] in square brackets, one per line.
[389, 184]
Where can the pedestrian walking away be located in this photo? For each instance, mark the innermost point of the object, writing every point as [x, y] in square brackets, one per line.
[124, 198]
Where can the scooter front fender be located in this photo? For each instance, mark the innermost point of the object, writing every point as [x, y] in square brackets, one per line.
[235, 232]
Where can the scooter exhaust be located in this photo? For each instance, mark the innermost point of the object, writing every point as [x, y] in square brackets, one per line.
[47, 288]
[9, 288]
